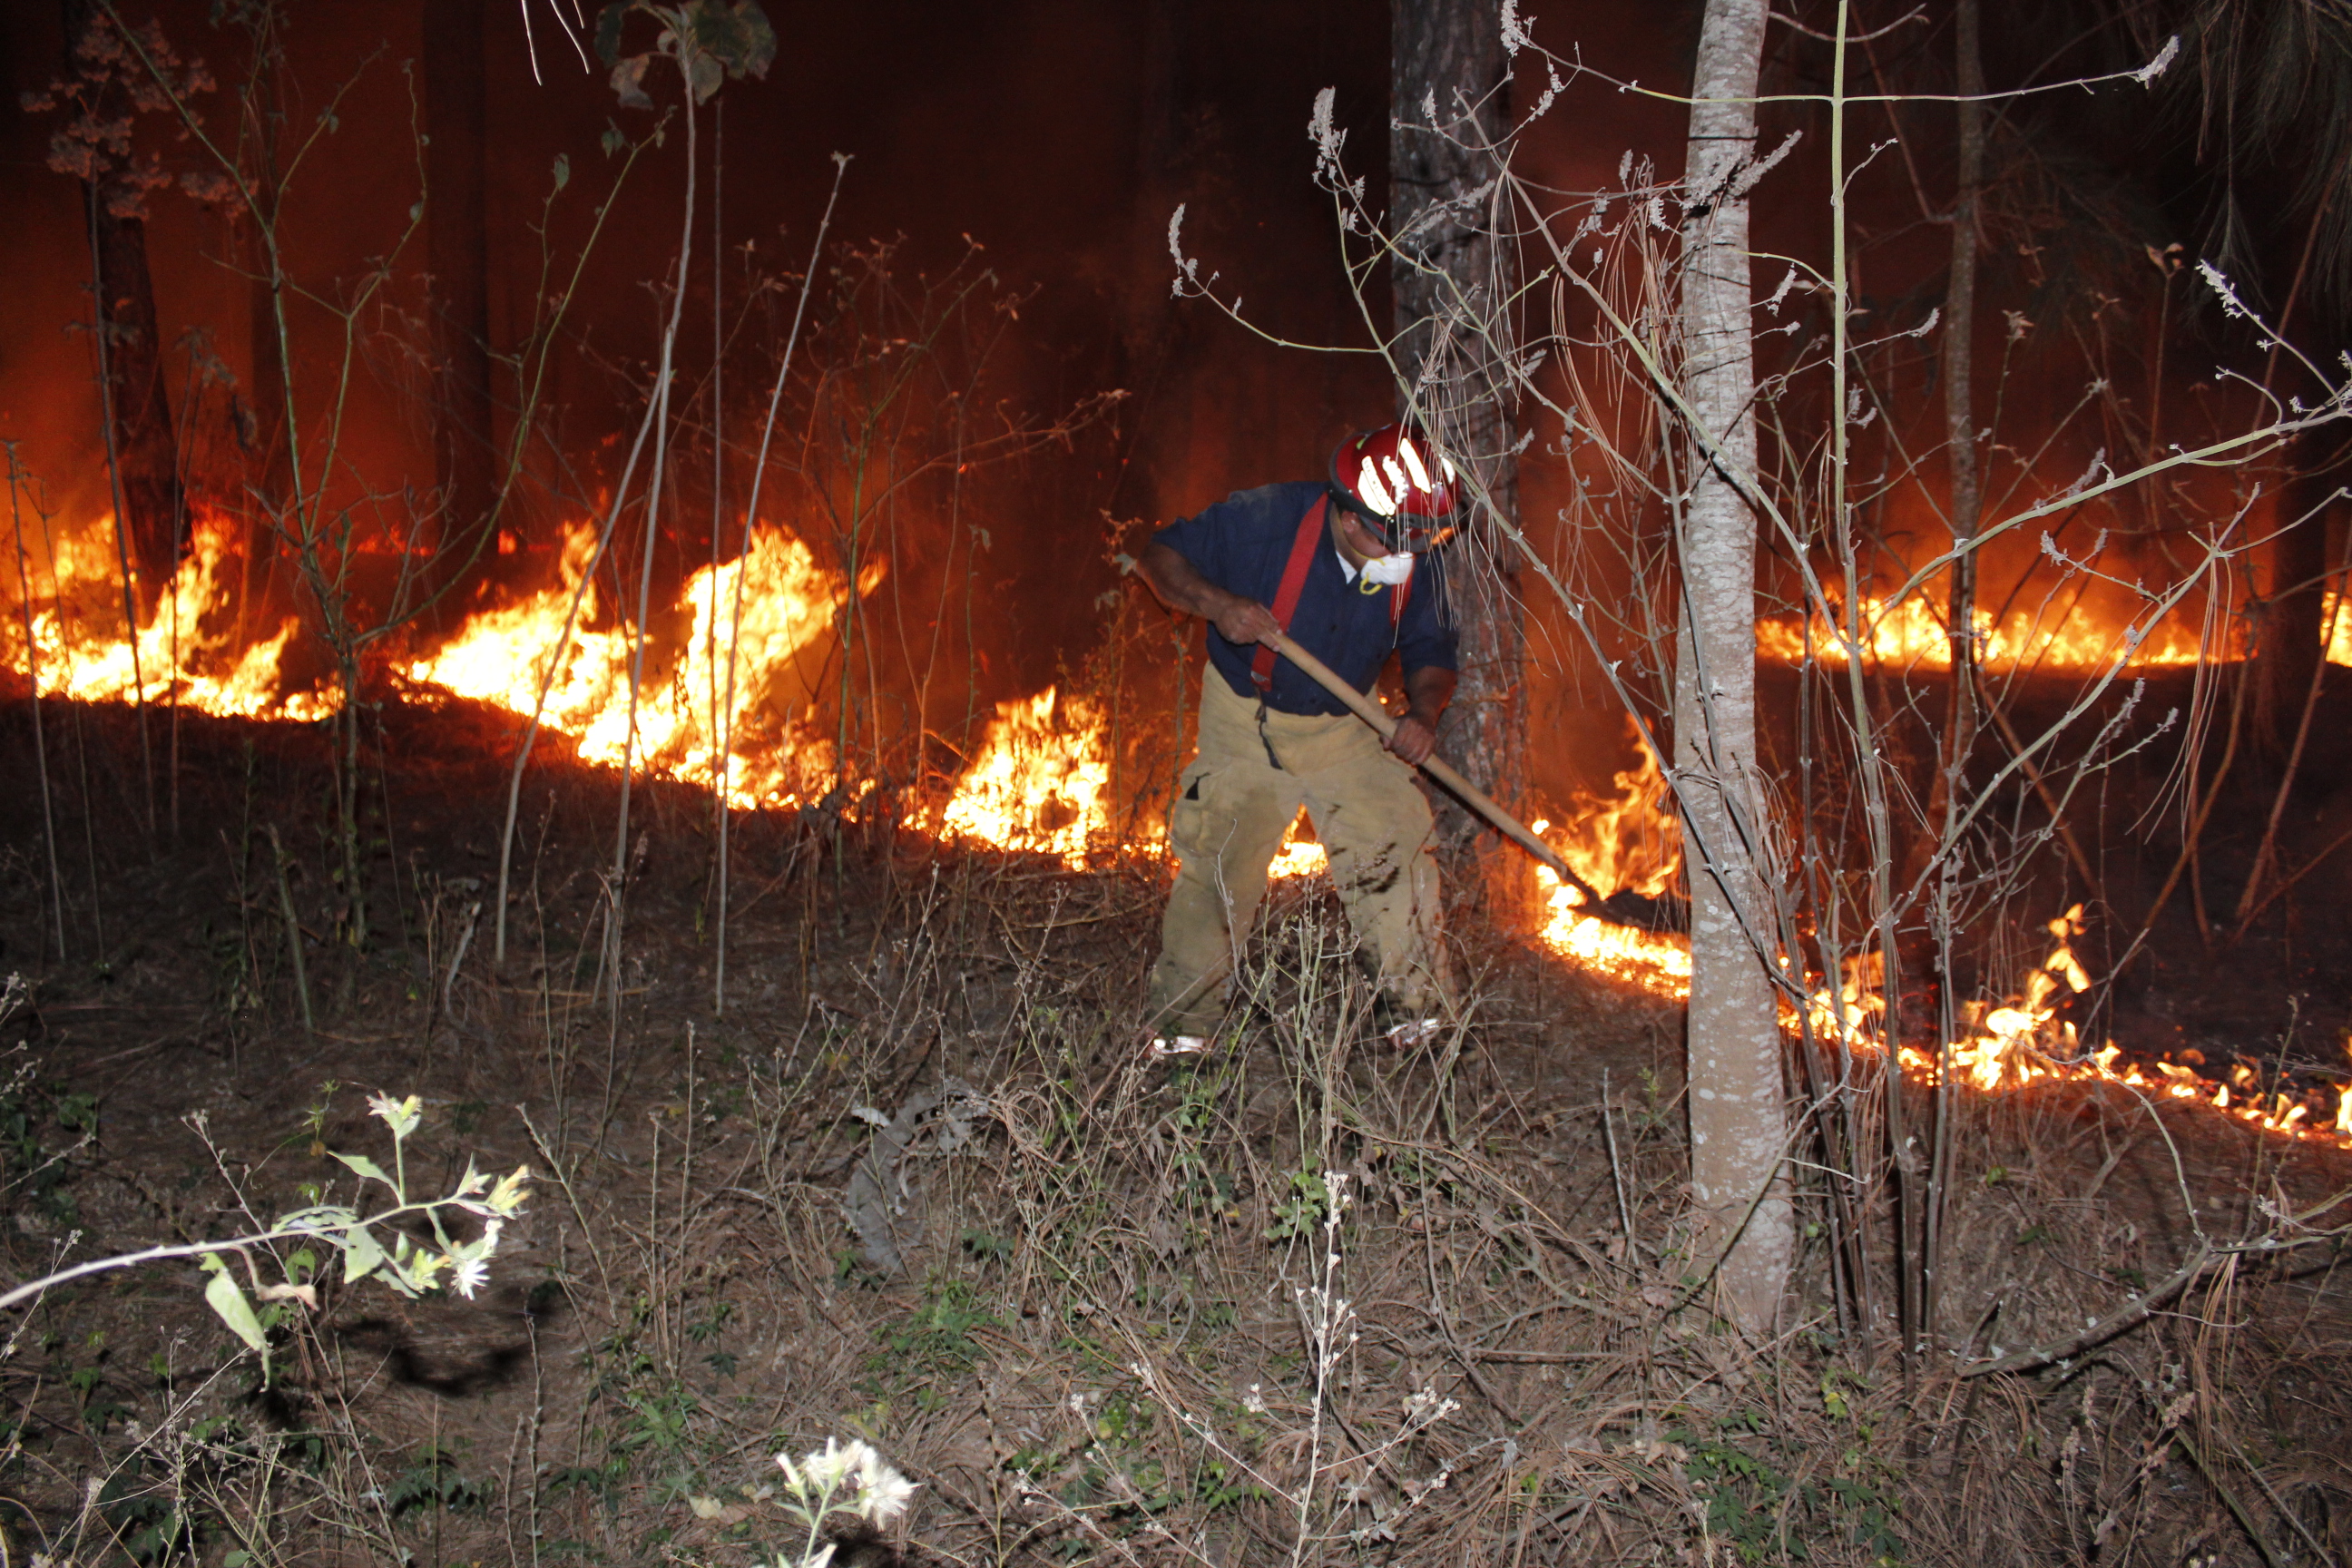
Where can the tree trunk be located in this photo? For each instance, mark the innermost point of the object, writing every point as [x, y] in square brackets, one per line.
[145, 448]
[1961, 418]
[1452, 283]
[2293, 621]
[1737, 1121]
[1947, 787]
[458, 251]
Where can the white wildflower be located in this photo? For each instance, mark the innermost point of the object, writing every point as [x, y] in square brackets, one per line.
[400, 1115]
[885, 1493]
[822, 1470]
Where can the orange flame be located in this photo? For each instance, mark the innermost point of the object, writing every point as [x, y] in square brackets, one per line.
[1911, 634]
[177, 657]
[1623, 843]
[502, 654]
[1040, 780]
[2023, 1041]
[1037, 784]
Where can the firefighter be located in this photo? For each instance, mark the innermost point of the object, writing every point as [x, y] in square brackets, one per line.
[1344, 570]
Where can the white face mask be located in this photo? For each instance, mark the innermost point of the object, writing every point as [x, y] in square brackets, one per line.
[1388, 570]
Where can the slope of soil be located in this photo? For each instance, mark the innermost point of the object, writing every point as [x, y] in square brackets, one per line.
[1305, 1298]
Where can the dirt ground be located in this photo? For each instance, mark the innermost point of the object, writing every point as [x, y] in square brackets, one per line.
[1305, 1299]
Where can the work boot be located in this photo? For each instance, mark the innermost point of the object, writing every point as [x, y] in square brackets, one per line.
[1179, 1045]
[1405, 1027]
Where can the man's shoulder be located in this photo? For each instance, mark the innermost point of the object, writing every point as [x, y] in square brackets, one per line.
[1292, 496]
[1281, 504]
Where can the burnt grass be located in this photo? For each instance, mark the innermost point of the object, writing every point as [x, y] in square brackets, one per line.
[1099, 1343]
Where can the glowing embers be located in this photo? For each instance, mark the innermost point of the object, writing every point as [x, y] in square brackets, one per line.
[188, 648]
[2028, 1040]
[501, 657]
[2025, 1039]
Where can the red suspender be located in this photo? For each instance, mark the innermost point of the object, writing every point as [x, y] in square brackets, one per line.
[1294, 582]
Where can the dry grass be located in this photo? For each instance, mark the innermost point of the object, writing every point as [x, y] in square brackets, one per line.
[1132, 1326]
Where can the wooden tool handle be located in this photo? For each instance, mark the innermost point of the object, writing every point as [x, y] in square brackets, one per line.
[1372, 713]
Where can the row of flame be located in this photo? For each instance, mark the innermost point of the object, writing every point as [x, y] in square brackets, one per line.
[1040, 782]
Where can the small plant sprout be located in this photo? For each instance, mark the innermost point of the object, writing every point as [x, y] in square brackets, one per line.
[838, 1479]
[408, 1266]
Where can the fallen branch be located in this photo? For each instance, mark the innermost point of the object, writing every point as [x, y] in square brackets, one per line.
[2130, 1315]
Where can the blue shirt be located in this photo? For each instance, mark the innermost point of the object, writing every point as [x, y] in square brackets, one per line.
[1242, 544]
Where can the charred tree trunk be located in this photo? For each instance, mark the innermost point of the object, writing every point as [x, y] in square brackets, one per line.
[2293, 618]
[1450, 87]
[143, 444]
[1736, 1115]
[464, 442]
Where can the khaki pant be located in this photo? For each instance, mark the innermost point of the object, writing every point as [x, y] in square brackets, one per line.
[1253, 771]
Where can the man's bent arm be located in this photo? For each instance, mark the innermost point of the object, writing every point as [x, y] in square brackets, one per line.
[1427, 690]
[1181, 588]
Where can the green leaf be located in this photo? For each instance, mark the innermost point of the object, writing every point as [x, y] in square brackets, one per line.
[364, 1166]
[361, 1255]
[613, 139]
[226, 1298]
[562, 171]
[704, 73]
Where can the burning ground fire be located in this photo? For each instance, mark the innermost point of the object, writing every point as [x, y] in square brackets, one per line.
[186, 654]
[1041, 779]
[1628, 842]
[501, 657]
[1911, 636]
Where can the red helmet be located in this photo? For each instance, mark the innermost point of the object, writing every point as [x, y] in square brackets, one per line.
[1398, 482]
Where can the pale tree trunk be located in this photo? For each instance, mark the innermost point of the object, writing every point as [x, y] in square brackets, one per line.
[1451, 284]
[1738, 1124]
